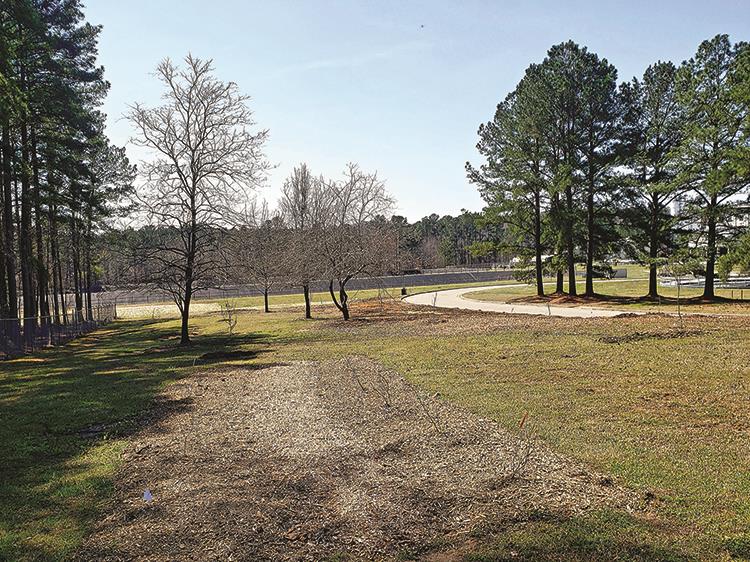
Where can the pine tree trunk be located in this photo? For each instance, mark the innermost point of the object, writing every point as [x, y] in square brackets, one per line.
[24, 242]
[3, 284]
[88, 278]
[538, 244]
[53, 265]
[653, 250]
[10, 254]
[590, 240]
[41, 268]
[708, 289]
[570, 246]
[77, 289]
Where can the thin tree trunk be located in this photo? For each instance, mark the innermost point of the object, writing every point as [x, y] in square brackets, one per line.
[53, 264]
[57, 266]
[590, 239]
[265, 300]
[89, 281]
[9, 254]
[570, 246]
[344, 300]
[25, 246]
[538, 244]
[653, 250]
[3, 284]
[333, 295]
[342, 303]
[559, 277]
[41, 268]
[306, 292]
[76, 239]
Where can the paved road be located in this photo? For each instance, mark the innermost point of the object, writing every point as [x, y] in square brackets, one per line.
[454, 298]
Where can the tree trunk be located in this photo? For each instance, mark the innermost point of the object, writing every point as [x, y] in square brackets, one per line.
[590, 240]
[53, 265]
[3, 284]
[75, 238]
[265, 300]
[538, 244]
[88, 278]
[570, 246]
[306, 292]
[333, 295]
[708, 289]
[560, 283]
[9, 254]
[653, 250]
[25, 246]
[57, 266]
[342, 304]
[41, 268]
[344, 300]
[187, 298]
[184, 334]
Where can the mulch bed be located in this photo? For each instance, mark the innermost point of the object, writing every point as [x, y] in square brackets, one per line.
[312, 460]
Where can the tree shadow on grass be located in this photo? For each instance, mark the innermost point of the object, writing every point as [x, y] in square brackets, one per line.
[599, 536]
[63, 413]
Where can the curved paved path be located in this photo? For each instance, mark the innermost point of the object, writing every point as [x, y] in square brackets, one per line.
[454, 298]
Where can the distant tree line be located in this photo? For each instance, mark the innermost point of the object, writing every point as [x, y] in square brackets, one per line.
[464, 240]
[579, 168]
[60, 178]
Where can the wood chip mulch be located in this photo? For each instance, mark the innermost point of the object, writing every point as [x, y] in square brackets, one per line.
[309, 461]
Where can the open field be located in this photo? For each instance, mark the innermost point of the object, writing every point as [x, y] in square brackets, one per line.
[202, 306]
[661, 412]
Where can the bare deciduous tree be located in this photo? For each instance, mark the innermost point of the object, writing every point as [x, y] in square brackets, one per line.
[206, 158]
[301, 206]
[355, 236]
[261, 246]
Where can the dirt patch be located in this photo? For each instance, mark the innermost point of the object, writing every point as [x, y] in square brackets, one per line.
[306, 461]
[640, 336]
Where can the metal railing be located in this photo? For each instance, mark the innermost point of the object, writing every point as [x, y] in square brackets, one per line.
[22, 335]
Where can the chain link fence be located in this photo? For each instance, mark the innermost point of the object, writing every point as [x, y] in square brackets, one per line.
[21, 335]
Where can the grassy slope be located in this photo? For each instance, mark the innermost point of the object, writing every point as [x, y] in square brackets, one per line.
[665, 415]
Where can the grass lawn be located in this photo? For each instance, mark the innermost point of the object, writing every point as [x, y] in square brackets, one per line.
[662, 414]
[200, 306]
[620, 293]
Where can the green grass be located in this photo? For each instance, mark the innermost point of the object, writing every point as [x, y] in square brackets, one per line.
[54, 481]
[295, 299]
[667, 416]
[619, 291]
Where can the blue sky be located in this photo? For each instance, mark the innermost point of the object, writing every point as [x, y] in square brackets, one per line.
[399, 87]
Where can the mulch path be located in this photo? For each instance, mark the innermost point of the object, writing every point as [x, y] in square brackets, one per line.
[308, 461]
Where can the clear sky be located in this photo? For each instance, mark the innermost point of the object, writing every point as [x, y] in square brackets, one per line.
[398, 86]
